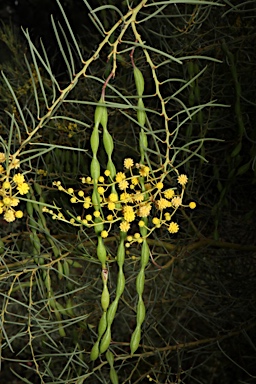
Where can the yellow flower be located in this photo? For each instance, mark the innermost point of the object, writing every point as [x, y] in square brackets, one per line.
[73, 200]
[113, 197]
[101, 179]
[125, 197]
[2, 157]
[23, 188]
[135, 181]
[19, 214]
[81, 193]
[18, 178]
[192, 205]
[107, 172]
[176, 201]
[141, 223]
[1, 169]
[138, 197]
[9, 216]
[123, 185]
[163, 204]
[144, 210]
[101, 190]
[173, 227]
[167, 216]
[6, 185]
[104, 234]
[70, 190]
[111, 206]
[124, 226]
[155, 220]
[182, 179]
[128, 163]
[86, 205]
[136, 235]
[159, 185]
[144, 171]
[120, 176]
[169, 193]
[110, 217]
[96, 213]
[128, 213]
[14, 202]
[88, 217]
[7, 201]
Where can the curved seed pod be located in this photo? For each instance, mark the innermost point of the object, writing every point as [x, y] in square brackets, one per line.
[101, 251]
[95, 351]
[95, 168]
[139, 80]
[140, 281]
[29, 206]
[113, 376]
[102, 324]
[112, 311]
[105, 341]
[95, 140]
[60, 270]
[135, 339]
[104, 117]
[98, 113]
[141, 311]
[111, 168]
[105, 298]
[120, 283]
[141, 114]
[108, 142]
[65, 268]
[110, 358]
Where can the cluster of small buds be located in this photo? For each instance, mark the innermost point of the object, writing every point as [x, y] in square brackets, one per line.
[10, 188]
[138, 193]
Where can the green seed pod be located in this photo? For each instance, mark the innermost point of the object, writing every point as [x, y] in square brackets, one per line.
[60, 269]
[29, 206]
[102, 325]
[144, 254]
[143, 142]
[139, 80]
[108, 142]
[74, 264]
[237, 149]
[141, 114]
[69, 307]
[104, 117]
[95, 351]
[105, 298]
[120, 283]
[98, 114]
[95, 168]
[112, 311]
[65, 268]
[113, 376]
[95, 140]
[141, 311]
[101, 251]
[35, 241]
[1, 247]
[135, 339]
[105, 341]
[110, 358]
[140, 281]
[38, 188]
[111, 168]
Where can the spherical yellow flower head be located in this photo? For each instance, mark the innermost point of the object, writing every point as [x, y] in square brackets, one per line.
[169, 193]
[107, 172]
[141, 223]
[163, 203]
[70, 191]
[18, 178]
[128, 214]
[19, 214]
[144, 171]
[123, 185]
[80, 193]
[110, 217]
[88, 217]
[96, 213]
[128, 163]
[176, 201]
[167, 216]
[7, 201]
[156, 221]
[120, 176]
[159, 185]
[182, 179]
[125, 197]
[144, 210]
[101, 179]
[135, 181]
[138, 197]
[86, 205]
[192, 205]
[23, 188]
[73, 200]
[104, 234]
[173, 227]
[113, 198]
[2, 157]
[111, 206]
[124, 226]
[14, 202]
[9, 216]
[101, 190]
[136, 235]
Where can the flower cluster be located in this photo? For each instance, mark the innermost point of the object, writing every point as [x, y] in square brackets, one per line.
[10, 187]
[136, 195]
